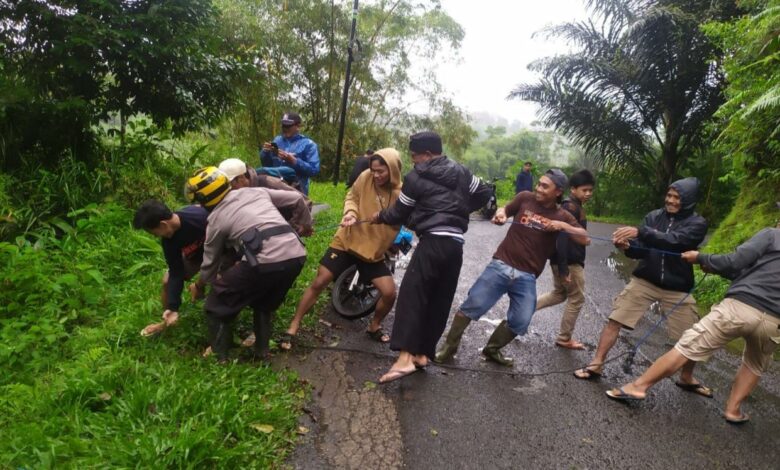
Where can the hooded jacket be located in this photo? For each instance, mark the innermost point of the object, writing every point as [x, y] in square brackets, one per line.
[370, 241]
[678, 232]
[437, 198]
[754, 268]
[307, 157]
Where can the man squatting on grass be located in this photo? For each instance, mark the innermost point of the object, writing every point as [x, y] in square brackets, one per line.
[659, 277]
[568, 263]
[182, 233]
[273, 255]
[518, 261]
[751, 310]
[436, 199]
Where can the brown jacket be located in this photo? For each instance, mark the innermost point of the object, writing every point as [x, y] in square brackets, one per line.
[270, 182]
[366, 241]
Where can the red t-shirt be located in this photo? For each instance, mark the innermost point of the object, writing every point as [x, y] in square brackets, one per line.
[527, 246]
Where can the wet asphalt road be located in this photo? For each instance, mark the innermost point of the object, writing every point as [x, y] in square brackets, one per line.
[454, 419]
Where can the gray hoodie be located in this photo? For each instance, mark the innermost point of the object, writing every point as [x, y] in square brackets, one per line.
[250, 208]
[754, 268]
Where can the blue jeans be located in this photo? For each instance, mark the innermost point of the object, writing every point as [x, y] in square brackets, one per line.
[498, 279]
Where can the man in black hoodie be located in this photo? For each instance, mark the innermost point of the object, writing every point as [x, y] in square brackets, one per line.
[660, 277]
[435, 201]
[751, 310]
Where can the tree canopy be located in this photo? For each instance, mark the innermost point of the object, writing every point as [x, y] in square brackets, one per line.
[640, 87]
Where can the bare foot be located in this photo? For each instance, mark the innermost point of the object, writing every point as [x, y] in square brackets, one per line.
[420, 361]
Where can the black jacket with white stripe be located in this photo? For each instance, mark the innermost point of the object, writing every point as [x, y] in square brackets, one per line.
[436, 198]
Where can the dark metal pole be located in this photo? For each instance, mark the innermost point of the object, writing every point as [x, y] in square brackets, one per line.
[345, 94]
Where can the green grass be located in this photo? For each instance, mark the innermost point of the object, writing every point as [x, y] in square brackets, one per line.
[81, 389]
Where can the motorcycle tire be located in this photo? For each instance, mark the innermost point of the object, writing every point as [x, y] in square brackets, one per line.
[356, 303]
[490, 210]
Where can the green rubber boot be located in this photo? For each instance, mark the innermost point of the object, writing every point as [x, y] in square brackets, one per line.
[501, 336]
[452, 341]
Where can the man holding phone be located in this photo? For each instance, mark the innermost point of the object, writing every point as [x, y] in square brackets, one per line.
[294, 150]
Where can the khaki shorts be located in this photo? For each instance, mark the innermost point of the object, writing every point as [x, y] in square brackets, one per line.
[631, 304]
[726, 321]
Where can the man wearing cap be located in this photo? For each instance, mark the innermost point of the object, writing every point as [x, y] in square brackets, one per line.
[243, 176]
[661, 276]
[293, 149]
[751, 310]
[518, 261]
[436, 199]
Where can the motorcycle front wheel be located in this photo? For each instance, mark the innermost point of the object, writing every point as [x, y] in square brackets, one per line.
[352, 298]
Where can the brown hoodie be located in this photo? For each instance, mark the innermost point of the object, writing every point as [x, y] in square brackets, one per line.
[366, 241]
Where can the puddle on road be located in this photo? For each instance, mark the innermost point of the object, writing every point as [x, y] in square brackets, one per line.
[620, 264]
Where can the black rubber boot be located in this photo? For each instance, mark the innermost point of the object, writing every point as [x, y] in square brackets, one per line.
[452, 341]
[501, 336]
[262, 328]
[220, 336]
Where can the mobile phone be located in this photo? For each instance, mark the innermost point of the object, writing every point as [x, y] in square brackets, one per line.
[274, 148]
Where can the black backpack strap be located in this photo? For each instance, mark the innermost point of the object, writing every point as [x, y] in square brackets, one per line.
[252, 240]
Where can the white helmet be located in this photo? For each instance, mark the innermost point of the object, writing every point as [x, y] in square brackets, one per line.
[232, 167]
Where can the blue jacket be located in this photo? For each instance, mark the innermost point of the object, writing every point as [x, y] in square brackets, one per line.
[524, 182]
[306, 153]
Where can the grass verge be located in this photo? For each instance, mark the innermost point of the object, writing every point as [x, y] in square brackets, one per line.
[80, 387]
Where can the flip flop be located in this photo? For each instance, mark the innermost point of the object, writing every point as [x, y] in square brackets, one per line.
[743, 418]
[378, 336]
[592, 374]
[146, 333]
[249, 341]
[697, 388]
[621, 395]
[395, 374]
[571, 344]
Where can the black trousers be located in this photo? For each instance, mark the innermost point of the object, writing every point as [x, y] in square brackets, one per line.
[425, 296]
[263, 288]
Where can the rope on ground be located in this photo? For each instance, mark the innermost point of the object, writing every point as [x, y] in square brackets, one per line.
[512, 373]
[631, 353]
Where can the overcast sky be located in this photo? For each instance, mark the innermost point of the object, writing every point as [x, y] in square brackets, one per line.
[498, 48]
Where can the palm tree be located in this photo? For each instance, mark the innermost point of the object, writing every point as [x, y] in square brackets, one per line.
[641, 86]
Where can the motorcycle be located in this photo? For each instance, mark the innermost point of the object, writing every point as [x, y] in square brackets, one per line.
[354, 297]
[489, 210]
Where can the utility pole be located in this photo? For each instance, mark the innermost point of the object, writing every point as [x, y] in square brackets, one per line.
[345, 94]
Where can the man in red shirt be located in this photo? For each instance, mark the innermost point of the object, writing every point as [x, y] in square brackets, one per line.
[518, 261]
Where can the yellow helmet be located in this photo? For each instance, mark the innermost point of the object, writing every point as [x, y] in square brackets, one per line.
[207, 187]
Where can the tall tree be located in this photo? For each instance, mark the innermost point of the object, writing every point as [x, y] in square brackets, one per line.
[299, 48]
[640, 88]
[74, 62]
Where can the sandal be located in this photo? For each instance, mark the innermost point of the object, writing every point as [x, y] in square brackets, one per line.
[587, 374]
[697, 388]
[153, 330]
[571, 344]
[378, 335]
[621, 395]
[742, 419]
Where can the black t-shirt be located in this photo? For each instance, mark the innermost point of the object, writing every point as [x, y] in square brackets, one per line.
[187, 242]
